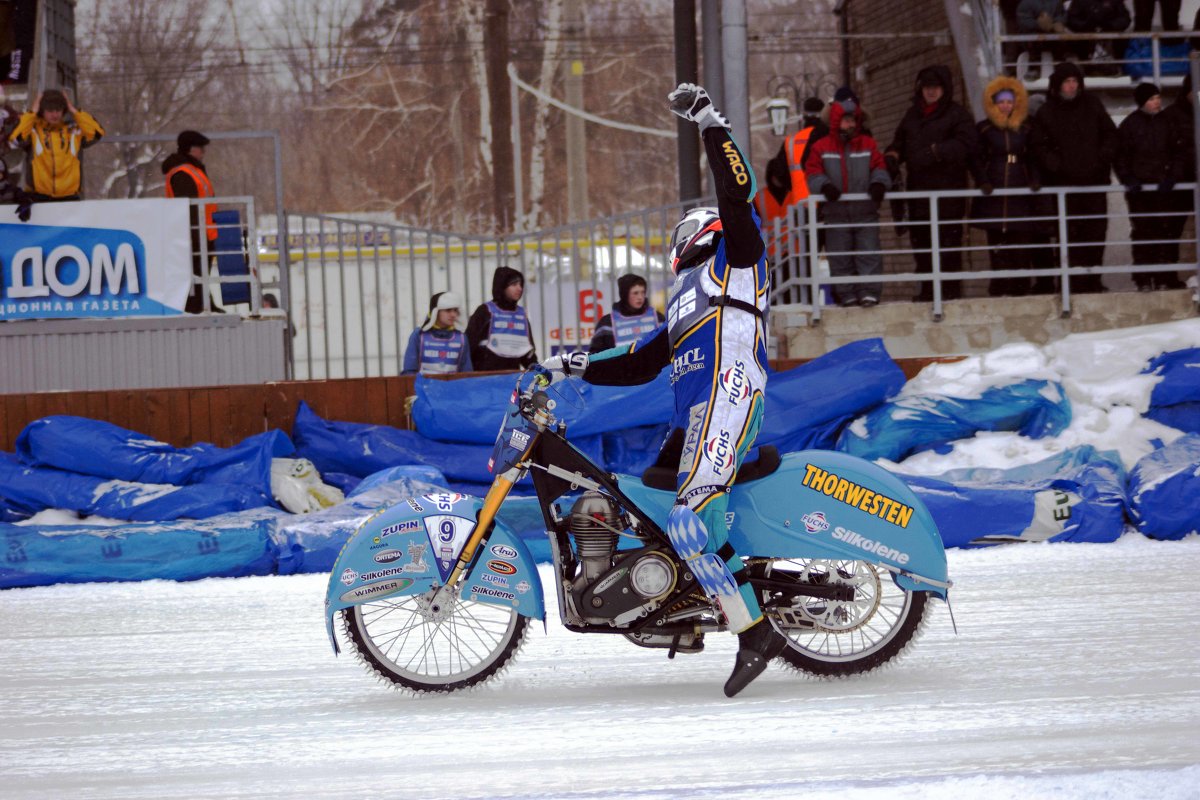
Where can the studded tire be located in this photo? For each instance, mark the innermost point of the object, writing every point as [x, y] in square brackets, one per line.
[417, 649]
[848, 638]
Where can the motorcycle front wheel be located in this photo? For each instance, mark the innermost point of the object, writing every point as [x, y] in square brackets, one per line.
[837, 638]
[427, 647]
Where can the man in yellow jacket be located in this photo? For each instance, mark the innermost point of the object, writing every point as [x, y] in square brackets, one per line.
[53, 142]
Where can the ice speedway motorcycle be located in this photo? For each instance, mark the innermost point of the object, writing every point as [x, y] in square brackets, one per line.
[435, 593]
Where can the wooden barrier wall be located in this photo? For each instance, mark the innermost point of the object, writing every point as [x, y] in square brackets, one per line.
[224, 415]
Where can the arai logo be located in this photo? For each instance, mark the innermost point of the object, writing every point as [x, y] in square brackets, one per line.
[504, 551]
[815, 522]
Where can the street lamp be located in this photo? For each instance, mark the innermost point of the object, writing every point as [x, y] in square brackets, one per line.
[785, 95]
[778, 109]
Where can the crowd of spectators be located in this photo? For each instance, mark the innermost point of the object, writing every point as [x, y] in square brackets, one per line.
[1070, 141]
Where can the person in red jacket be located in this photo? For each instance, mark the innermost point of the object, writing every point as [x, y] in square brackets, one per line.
[848, 161]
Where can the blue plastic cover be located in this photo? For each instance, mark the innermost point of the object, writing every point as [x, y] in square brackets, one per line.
[92, 447]
[807, 406]
[356, 448]
[32, 489]
[1139, 57]
[229, 249]
[896, 430]
[230, 545]
[1163, 490]
[1175, 400]
[468, 410]
[1076, 496]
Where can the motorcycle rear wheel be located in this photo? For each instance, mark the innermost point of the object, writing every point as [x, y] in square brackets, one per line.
[847, 638]
[425, 649]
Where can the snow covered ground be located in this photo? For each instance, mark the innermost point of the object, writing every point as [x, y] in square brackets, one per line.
[1075, 673]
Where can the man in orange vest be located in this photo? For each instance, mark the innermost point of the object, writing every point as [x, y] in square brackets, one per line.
[186, 177]
[786, 184]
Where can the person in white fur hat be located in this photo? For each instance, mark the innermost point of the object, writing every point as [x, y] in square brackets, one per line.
[438, 347]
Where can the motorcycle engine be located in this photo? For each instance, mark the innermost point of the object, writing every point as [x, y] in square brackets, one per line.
[610, 587]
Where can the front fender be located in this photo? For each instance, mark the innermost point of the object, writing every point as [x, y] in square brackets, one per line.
[411, 547]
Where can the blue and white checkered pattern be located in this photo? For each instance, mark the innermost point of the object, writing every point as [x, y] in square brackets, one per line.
[686, 532]
[712, 574]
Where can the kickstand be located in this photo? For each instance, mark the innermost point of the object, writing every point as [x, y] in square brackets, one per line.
[674, 646]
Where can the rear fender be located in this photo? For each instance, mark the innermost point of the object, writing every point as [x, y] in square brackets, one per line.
[411, 547]
[867, 514]
[825, 504]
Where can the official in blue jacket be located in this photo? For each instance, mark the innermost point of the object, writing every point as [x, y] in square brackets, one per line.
[438, 347]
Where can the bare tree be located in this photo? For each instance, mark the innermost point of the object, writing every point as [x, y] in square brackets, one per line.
[144, 71]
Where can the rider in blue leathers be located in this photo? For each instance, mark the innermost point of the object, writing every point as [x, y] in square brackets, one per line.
[715, 341]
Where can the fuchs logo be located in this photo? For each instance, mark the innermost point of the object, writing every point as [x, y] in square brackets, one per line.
[815, 522]
[72, 272]
[504, 551]
[444, 501]
[719, 450]
[349, 576]
[735, 384]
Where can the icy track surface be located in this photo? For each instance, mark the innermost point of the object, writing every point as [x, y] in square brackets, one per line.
[1074, 674]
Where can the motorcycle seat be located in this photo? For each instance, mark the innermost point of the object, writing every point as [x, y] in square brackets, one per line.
[662, 477]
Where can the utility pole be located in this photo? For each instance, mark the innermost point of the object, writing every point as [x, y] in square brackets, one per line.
[710, 37]
[577, 178]
[495, 51]
[737, 81]
[685, 72]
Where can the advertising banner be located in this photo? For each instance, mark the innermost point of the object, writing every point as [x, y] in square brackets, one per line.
[99, 258]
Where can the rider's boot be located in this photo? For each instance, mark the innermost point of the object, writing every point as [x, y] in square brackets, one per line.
[757, 645]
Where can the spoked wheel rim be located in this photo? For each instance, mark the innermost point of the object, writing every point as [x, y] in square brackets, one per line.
[435, 645]
[844, 631]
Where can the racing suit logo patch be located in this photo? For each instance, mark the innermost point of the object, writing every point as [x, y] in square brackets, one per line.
[735, 383]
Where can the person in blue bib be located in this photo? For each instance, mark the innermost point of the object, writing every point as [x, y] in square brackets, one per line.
[438, 347]
[714, 340]
[499, 333]
[631, 318]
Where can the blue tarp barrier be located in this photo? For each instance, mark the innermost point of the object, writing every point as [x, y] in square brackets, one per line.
[92, 447]
[631, 450]
[1175, 400]
[896, 430]
[1164, 487]
[469, 410]
[1075, 496]
[356, 448]
[1139, 57]
[807, 406]
[230, 545]
[33, 489]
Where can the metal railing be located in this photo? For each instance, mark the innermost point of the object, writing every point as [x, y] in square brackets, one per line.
[359, 288]
[799, 276]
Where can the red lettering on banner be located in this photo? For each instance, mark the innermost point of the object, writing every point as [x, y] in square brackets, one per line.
[591, 305]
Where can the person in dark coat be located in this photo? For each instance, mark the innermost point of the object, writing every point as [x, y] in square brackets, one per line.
[499, 333]
[1075, 141]
[1149, 161]
[1003, 161]
[631, 319]
[935, 141]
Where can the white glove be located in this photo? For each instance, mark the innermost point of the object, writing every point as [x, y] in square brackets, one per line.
[563, 365]
[693, 104]
[298, 487]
